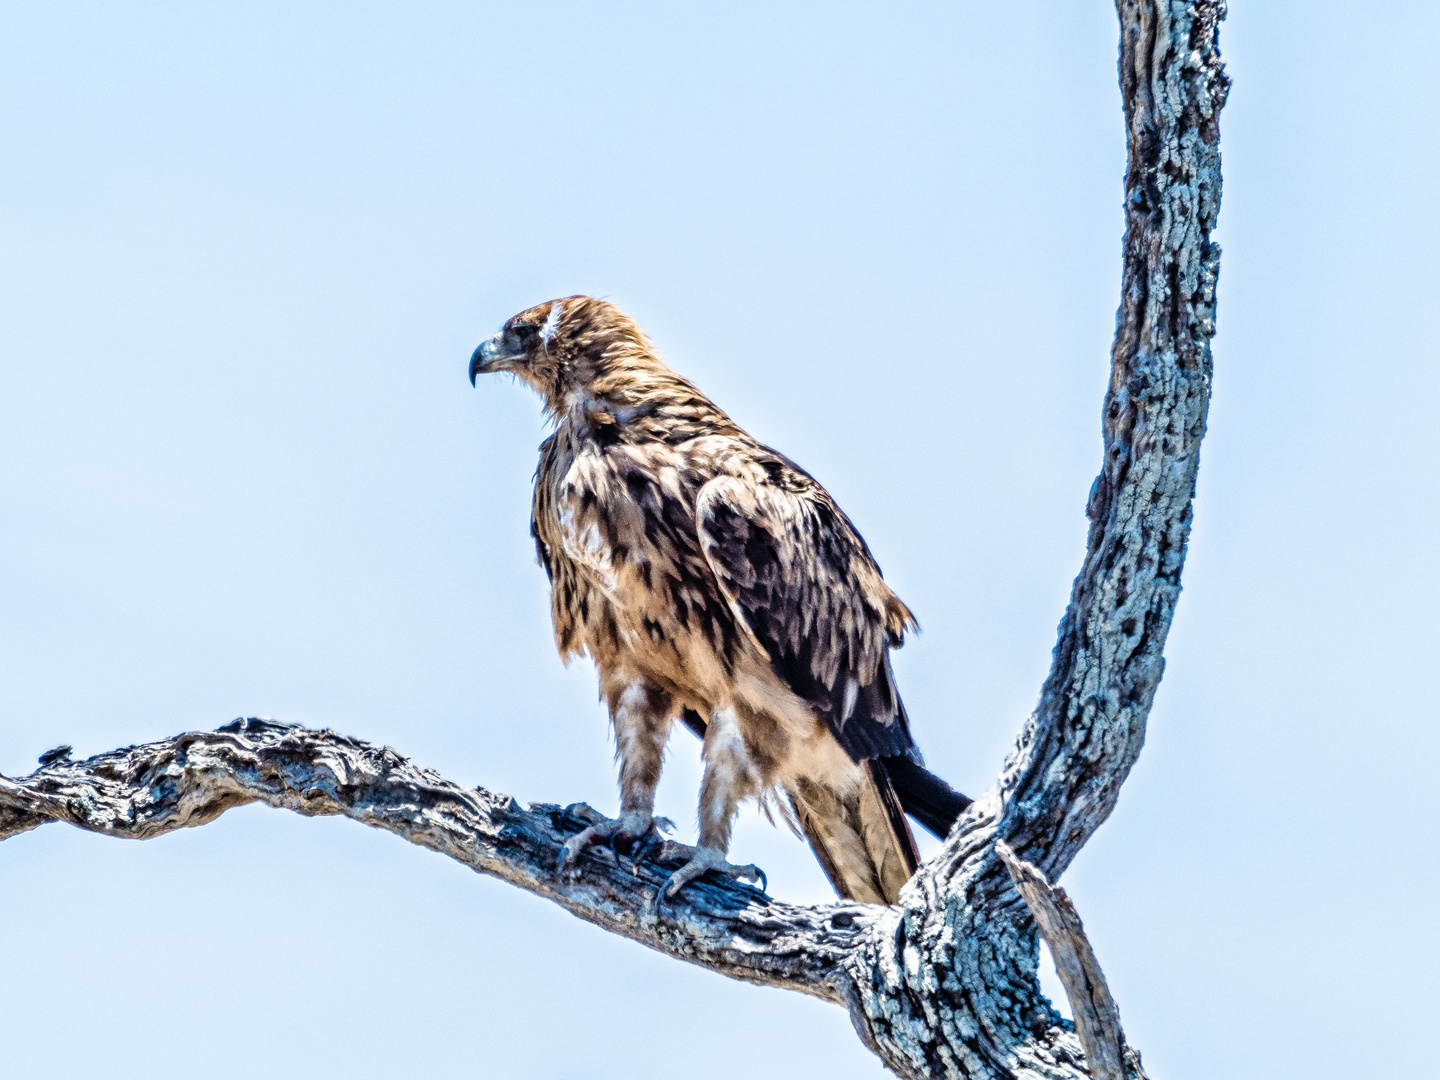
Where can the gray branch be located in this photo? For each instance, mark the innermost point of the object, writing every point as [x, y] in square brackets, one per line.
[141, 792]
[1066, 772]
[953, 991]
[1097, 1018]
[945, 983]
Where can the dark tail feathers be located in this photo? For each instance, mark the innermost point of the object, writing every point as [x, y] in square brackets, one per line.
[923, 795]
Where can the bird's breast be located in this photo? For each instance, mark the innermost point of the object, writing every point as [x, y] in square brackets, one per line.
[634, 585]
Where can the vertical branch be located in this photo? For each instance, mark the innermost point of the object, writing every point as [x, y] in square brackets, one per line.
[949, 988]
[1066, 772]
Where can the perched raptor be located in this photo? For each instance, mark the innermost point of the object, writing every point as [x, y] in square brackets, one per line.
[714, 582]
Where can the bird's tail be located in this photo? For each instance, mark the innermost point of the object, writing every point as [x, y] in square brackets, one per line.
[860, 838]
[924, 796]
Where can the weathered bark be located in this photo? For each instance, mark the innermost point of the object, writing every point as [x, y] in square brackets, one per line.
[1097, 1019]
[953, 992]
[139, 792]
[945, 983]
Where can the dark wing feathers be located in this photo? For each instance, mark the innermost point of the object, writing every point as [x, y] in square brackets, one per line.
[803, 583]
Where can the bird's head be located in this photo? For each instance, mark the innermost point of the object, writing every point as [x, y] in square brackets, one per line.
[566, 349]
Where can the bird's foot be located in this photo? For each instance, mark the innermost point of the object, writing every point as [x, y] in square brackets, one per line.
[711, 859]
[652, 842]
[634, 830]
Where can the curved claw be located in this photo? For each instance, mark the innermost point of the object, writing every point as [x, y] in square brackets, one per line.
[680, 878]
[710, 859]
[650, 840]
[749, 872]
[646, 844]
[570, 850]
[611, 830]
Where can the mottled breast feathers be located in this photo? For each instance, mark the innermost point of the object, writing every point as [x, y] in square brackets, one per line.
[753, 549]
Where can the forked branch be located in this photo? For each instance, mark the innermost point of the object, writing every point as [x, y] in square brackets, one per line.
[945, 983]
[1097, 1019]
[955, 992]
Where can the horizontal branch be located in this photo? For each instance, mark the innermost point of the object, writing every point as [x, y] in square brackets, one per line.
[141, 792]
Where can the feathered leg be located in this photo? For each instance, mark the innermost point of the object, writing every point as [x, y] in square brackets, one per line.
[730, 775]
[641, 715]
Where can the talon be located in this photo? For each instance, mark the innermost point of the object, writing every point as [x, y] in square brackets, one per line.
[650, 840]
[710, 859]
[625, 830]
[679, 879]
[570, 850]
[643, 847]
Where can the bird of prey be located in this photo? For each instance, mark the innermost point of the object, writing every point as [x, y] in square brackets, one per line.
[713, 581]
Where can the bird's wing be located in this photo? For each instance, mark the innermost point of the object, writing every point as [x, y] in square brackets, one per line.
[802, 582]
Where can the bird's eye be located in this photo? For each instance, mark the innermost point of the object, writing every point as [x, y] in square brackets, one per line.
[523, 332]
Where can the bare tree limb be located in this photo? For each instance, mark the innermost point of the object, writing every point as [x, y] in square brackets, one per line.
[1090, 724]
[1097, 1019]
[945, 983]
[144, 791]
[954, 992]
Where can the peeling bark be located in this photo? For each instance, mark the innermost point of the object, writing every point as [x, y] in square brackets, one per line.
[944, 984]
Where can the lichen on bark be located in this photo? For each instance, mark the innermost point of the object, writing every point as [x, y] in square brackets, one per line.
[944, 984]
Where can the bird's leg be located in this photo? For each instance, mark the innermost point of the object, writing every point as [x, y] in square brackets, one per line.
[730, 775]
[640, 714]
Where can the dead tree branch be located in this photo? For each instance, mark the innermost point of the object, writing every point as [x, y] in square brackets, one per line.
[945, 983]
[145, 791]
[1097, 1019]
[953, 992]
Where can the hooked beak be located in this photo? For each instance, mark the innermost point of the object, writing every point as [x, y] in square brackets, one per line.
[494, 354]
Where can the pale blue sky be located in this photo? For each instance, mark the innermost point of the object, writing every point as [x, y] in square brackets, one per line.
[246, 253]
